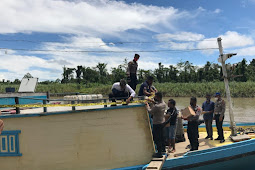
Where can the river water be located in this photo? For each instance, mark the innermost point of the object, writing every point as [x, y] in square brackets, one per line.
[244, 108]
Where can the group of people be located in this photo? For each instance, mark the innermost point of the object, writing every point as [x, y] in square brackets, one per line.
[210, 110]
[126, 89]
[157, 108]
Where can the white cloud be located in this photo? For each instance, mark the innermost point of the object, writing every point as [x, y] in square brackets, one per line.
[52, 67]
[83, 17]
[249, 51]
[201, 9]
[179, 40]
[217, 11]
[2, 77]
[189, 40]
[230, 39]
[180, 36]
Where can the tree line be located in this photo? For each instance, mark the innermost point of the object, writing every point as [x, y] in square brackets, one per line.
[183, 72]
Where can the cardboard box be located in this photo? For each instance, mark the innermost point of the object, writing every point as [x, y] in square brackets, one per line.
[187, 112]
[166, 118]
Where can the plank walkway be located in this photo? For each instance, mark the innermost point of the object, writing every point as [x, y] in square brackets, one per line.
[156, 163]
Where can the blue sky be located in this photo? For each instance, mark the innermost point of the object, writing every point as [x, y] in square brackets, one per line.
[42, 36]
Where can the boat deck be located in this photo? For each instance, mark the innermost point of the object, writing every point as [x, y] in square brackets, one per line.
[203, 143]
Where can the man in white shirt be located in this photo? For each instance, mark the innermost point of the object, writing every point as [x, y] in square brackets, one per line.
[121, 90]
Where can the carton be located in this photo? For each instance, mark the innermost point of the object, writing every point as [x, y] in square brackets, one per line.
[166, 118]
[187, 112]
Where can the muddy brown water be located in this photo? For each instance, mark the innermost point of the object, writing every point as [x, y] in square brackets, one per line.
[243, 108]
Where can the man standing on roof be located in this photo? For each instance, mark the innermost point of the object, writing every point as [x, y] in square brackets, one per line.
[219, 111]
[146, 88]
[121, 90]
[131, 72]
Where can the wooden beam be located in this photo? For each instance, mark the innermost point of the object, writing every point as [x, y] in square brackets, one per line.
[157, 163]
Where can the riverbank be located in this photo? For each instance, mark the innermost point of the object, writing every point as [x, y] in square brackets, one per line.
[238, 89]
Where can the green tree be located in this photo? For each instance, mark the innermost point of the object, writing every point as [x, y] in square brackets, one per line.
[90, 75]
[241, 71]
[118, 73]
[251, 71]
[16, 81]
[28, 75]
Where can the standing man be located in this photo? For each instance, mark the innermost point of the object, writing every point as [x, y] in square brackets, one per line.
[157, 109]
[193, 124]
[146, 88]
[121, 90]
[208, 109]
[219, 111]
[131, 72]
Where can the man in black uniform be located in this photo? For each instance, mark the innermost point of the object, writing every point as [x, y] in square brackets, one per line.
[192, 129]
[131, 72]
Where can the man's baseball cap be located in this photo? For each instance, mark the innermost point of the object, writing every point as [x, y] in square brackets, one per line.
[217, 94]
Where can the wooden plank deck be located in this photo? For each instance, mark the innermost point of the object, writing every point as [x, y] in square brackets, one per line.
[181, 148]
[156, 163]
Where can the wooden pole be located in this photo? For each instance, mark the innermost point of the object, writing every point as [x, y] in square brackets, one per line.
[224, 70]
[44, 108]
[73, 107]
[17, 102]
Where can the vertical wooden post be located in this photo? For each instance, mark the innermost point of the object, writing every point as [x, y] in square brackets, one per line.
[17, 102]
[44, 108]
[48, 95]
[105, 102]
[73, 107]
[224, 70]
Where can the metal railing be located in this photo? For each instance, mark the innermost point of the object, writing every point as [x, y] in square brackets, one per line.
[73, 101]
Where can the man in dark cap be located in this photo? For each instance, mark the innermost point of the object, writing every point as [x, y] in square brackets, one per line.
[208, 109]
[132, 71]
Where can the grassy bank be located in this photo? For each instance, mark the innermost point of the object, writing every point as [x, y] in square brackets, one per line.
[238, 89]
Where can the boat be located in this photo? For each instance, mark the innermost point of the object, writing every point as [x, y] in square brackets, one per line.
[103, 138]
[100, 137]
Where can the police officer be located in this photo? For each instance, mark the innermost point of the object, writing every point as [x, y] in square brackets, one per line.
[193, 124]
[131, 72]
[219, 111]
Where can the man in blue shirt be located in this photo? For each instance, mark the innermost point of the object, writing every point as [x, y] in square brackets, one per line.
[208, 109]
